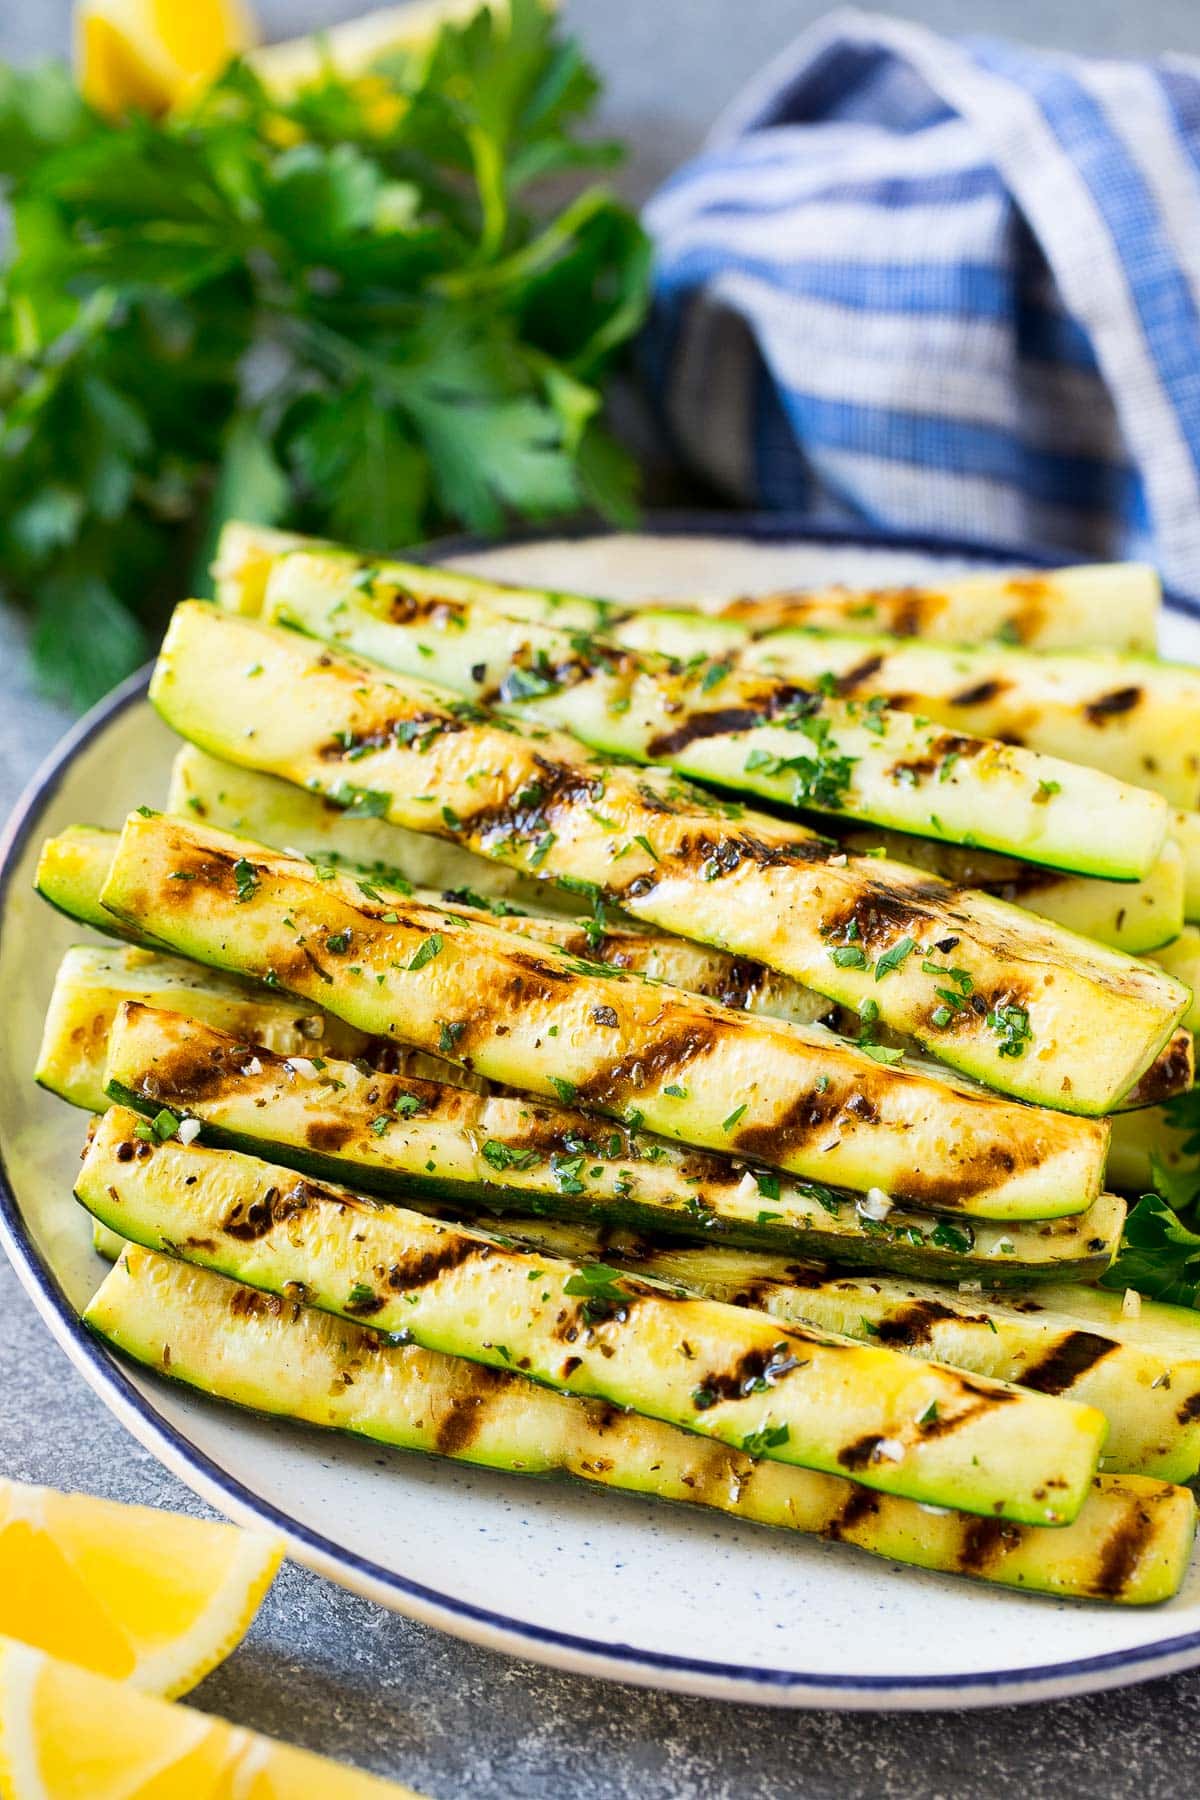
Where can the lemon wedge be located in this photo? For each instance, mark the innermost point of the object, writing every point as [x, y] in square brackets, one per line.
[148, 54]
[66, 1734]
[149, 1597]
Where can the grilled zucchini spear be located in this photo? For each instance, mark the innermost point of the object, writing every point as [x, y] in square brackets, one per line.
[915, 1429]
[93, 983]
[399, 1135]
[1111, 606]
[540, 1019]
[1130, 1542]
[73, 867]
[1134, 717]
[1142, 1371]
[796, 746]
[1015, 1001]
[1133, 916]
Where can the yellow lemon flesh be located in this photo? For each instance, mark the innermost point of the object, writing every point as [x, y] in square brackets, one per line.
[147, 54]
[149, 1597]
[66, 1734]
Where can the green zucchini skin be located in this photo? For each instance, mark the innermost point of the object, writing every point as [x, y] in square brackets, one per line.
[749, 734]
[405, 1137]
[1112, 606]
[1134, 917]
[758, 887]
[918, 1430]
[288, 1361]
[1133, 717]
[1143, 1371]
[611, 1042]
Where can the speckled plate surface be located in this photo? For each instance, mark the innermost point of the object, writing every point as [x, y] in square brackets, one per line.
[592, 1582]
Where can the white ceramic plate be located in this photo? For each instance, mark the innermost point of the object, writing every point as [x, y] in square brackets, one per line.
[598, 1583]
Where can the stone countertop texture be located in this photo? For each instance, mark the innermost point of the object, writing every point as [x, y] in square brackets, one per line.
[330, 1671]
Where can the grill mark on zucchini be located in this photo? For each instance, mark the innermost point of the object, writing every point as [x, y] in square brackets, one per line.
[725, 721]
[981, 693]
[913, 1324]
[984, 1541]
[861, 1504]
[1119, 1558]
[1070, 1358]
[755, 1369]
[667, 1055]
[923, 768]
[460, 1424]
[1189, 1412]
[1112, 705]
[846, 683]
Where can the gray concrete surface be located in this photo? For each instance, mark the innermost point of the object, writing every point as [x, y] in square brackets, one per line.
[328, 1670]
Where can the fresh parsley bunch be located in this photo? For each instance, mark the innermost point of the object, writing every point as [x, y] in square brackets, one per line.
[337, 310]
[1160, 1248]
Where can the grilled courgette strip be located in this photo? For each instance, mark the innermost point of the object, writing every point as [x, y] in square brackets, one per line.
[401, 1136]
[795, 746]
[73, 867]
[1111, 606]
[1141, 1369]
[93, 983]
[539, 1019]
[1031, 1009]
[915, 1429]
[1132, 716]
[289, 1361]
[1133, 916]
[1185, 830]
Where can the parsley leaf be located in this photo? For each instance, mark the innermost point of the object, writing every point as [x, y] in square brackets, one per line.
[435, 341]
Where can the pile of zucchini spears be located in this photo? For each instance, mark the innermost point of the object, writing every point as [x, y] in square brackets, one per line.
[691, 1049]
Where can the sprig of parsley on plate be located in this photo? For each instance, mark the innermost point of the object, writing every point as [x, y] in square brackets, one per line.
[1160, 1246]
[339, 310]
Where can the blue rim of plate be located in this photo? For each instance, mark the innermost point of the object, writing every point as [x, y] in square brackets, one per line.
[620, 1662]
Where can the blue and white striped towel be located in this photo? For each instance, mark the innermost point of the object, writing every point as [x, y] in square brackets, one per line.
[944, 287]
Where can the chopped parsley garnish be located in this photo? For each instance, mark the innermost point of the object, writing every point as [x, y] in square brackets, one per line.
[426, 951]
[728, 1123]
[245, 878]
[502, 1156]
[157, 1130]
[565, 1090]
[363, 803]
[647, 846]
[451, 1031]
[757, 1443]
[767, 1184]
[406, 1105]
[601, 1289]
[338, 942]
[676, 1091]
[895, 957]
[1046, 790]
[1011, 1025]
[713, 676]
[848, 956]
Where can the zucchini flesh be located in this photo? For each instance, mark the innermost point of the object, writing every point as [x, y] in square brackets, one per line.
[1111, 606]
[1044, 1015]
[94, 981]
[411, 1137]
[1133, 916]
[73, 867]
[1138, 1140]
[915, 1429]
[1092, 606]
[71, 879]
[275, 812]
[539, 1019]
[1173, 1073]
[791, 745]
[1185, 829]
[289, 1361]
[1134, 717]
[1182, 960]
[1143, 1372]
